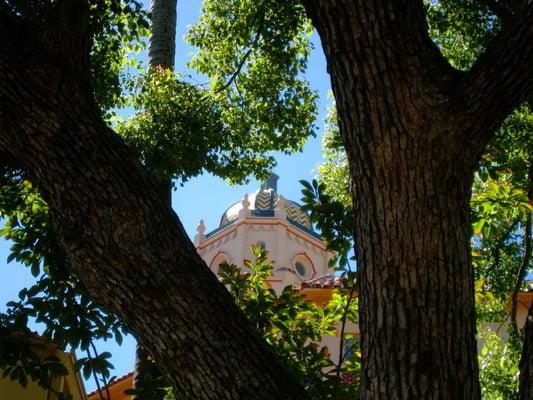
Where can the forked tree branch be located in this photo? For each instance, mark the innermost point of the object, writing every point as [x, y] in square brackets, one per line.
[126, 245]
[499, 80]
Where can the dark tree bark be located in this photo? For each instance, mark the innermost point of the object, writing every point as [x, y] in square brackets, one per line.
[526, 361]
[162, 46]
[414, 129]
[124, 241]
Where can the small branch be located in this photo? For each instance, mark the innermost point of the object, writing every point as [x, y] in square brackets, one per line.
[106, 386]
[246, 55]
[98, 387]
[341, 333]
[527, 252]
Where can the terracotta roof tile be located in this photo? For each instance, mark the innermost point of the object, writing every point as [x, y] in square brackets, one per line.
[323, 282]
[111, 384]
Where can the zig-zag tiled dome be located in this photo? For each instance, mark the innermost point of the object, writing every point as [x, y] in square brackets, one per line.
[263, 202]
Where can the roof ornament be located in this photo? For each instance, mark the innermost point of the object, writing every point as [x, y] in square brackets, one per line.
[281, 207]
[245, 210]
[200, 229]
[245, 202]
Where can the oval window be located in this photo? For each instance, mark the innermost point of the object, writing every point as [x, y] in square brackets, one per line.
[301, 268]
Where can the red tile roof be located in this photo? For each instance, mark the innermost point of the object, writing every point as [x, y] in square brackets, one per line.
[323, 282]
[111, 384]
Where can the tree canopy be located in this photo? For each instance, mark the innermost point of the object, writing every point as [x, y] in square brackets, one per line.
[413, 123]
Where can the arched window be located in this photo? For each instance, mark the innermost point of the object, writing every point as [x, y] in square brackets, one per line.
[220, 258]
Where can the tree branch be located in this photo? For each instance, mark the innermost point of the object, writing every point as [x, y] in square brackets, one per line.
[246, 55]
[526, 257]
[126, 245]
[499, 80]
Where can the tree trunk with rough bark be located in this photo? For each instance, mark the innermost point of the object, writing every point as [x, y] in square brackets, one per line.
[526, 361]
[414, 129]
[162, 45]
[125, 242]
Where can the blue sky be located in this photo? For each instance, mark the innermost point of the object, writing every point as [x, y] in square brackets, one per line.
[204, 197]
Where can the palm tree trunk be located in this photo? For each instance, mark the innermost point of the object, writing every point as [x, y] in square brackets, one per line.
[162, 45]
[148, 378]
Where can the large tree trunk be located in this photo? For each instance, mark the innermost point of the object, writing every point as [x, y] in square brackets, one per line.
[526, 361]
[126, 244]
[413, 128]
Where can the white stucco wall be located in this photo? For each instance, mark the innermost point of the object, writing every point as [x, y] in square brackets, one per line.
[285, 244]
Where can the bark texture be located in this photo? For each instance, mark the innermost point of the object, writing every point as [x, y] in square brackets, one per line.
[526, 361]
[161, 48]
[414, 128]
[125, 242]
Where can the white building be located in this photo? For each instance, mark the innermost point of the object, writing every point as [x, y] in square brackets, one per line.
[267, 219]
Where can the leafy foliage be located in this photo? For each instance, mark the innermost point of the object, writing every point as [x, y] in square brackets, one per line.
[333, 170]
[119, 29]
[254, 53]
[498, 210]
[294, 326]
[333, 218]
[179, 132]
[461, 29]
[256, 102]
[58, 300]
[23, 358]
[498, 367]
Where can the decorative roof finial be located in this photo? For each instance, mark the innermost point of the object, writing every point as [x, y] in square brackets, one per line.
[245, 211]
[281, 205]
[200, 229]
[245, 202]
[271, 183]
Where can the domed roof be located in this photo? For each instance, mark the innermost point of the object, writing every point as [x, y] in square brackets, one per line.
[263, 202]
